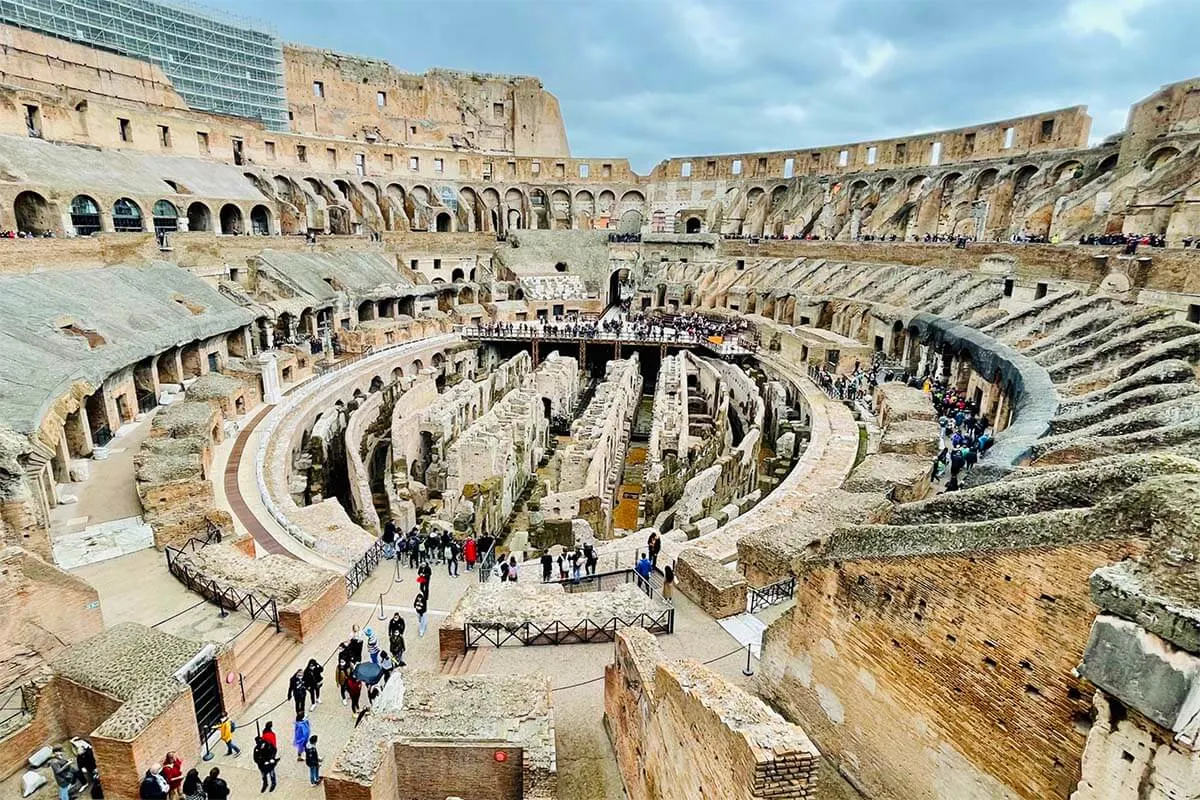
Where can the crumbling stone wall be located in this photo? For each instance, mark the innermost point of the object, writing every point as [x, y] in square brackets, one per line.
[681, 731]
[590, 465]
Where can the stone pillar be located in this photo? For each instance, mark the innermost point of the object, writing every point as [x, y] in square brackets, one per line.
[270, 379]
[78, 432]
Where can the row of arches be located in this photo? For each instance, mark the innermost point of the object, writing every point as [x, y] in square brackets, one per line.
[33, 214]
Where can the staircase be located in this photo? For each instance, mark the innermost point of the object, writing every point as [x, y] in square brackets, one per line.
[262, 654]
[467, 663]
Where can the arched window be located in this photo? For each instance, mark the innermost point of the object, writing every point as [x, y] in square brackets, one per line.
[166, 217]
[260, 221]
[85, 215]
[127, 217]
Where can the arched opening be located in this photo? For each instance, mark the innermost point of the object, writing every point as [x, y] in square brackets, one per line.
[166, 217]
[466, 296]
[32, 213]
[85, 215]
[1108, 164]
[376, 384]
[442, 222]
[127, 217]
[1161, 156]
[631, 222]
[457, 276]
[618, 277]
[1066, 171]
[260, 221]
[692, 225]
[199, 217]
[1023, 177]
[366, 311]
[231, 220]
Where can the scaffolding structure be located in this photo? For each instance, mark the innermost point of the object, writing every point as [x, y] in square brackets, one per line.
[217, 63]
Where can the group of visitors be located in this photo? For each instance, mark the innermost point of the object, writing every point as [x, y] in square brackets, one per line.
[624, 238]
[438, 547]
[80, 775]
[856, 387]
[168, 780]
[1129, 241]
[26, 235]
[964, 434]
[572, 564]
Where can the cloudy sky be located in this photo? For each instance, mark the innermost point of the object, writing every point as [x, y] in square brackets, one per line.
[650, 79]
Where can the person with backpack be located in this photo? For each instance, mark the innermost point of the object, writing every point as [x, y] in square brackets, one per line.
[312, 760]
[225, 729]
[266, 757]
[451, 556]
[420, 605]
[153, 785]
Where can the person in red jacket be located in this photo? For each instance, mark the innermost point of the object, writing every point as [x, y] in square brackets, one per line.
[470, 553]
[172, 770]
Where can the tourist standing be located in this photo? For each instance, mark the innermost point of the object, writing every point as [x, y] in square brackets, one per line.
[470, 553]
[425, 572]
[193, 789]
[356, 646]
[266, 757]
[389, 539]
[386, 664]
[313, 760]
[64, 773]
[643, 567]
[396, 637]
[300, 733]
[420, 605]
[296, 691]
[154, 785]
[314, 676]
[668, 582]
[654, 543]
[342, 676]
[547, 566]
[215, 787]
[512, 568]
[354, 689]
[372, 645]
[172, 771]
[268, 734]
[452, 557]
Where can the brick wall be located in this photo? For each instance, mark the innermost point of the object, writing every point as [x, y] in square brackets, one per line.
[46, 725]
[452, 641]
[719, 591]
[304, 619]
[82, 709]
[468, 771]
[942, 676]
[680, 730]
[123, 763]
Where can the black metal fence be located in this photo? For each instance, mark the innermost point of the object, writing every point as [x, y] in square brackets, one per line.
[362, 569]
[487, 564]
[227, 598]
[14, 705]
[557, 632]
[766, 596]
[607, 581]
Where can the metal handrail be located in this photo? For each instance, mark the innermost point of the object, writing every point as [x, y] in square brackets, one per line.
[487, 563]
[557, 632]
[227, 598]
[758, 598]
[361, 569]
[597, 581]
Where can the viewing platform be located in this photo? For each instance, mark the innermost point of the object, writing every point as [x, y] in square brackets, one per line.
[727, 347]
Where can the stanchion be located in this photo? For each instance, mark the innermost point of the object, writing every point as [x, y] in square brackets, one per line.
[748, 671]
[208, 754]
[397, 578]
[381, 617]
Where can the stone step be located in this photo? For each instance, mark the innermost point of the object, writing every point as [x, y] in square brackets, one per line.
[263, 656]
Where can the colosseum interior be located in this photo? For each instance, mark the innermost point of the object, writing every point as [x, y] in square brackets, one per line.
[859, 472]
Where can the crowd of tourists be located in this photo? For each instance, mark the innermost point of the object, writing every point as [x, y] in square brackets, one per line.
[640, 325]
[859, 385]
[1130, 241]
[965, 435]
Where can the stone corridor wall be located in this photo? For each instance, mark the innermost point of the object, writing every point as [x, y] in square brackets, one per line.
[925, 686]
[680, 731]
